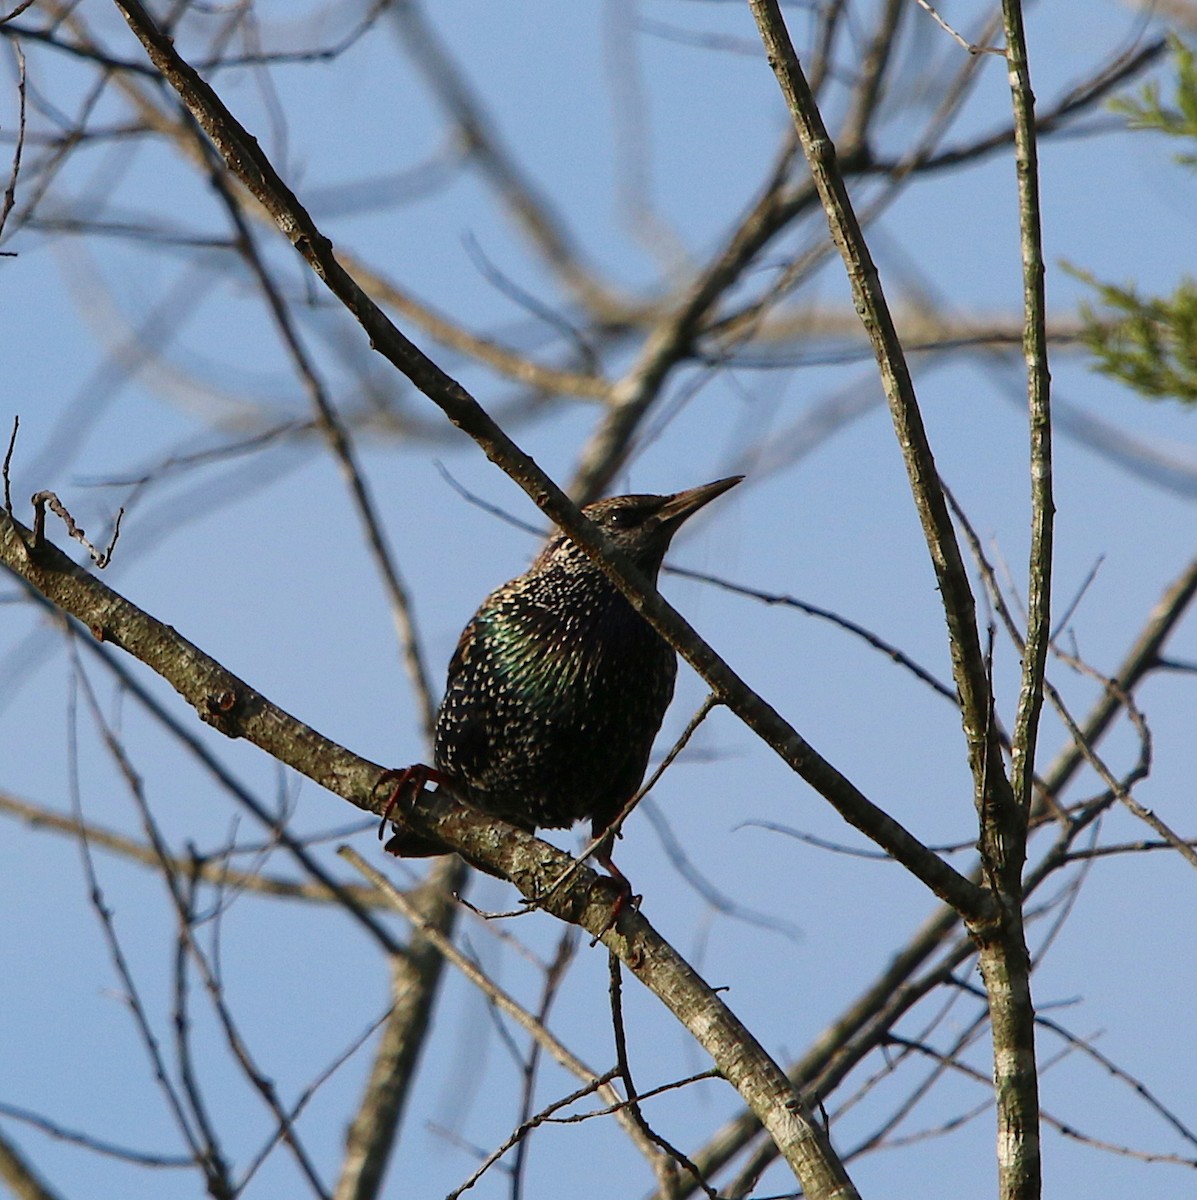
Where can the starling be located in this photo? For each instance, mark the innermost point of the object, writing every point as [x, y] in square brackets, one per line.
[558, 686]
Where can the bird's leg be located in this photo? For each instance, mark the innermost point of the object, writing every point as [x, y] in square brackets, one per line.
[410, 780]
[624, 895]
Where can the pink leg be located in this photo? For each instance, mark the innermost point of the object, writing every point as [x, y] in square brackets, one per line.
[624, 895]
[408, 780]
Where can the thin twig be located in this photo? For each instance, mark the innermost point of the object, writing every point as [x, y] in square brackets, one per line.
[494, 994]
[10, 190]
[132, 996]
[666, 1172]
[87, 1141]
[189, 1081]
[554, 976]
[718, 900]
[16, 12]
[824, 614]
[1121, 789]
[12, 444]
[212, 1160]
[517, 1138]
[614, 827]
[963, 41]
[213, 869]
[1067, 615]
[1082, 738]
[704, 710]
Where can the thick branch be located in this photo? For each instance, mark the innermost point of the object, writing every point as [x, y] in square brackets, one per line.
[218, 696]
[231, 706]
[1004, 959]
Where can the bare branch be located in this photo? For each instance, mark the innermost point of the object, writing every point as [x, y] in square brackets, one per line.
[12, 443]
[245, 157]
[985, 757]
[526, 1126]
[210, 868]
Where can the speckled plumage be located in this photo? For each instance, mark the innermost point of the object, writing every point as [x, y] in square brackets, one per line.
[558, 686]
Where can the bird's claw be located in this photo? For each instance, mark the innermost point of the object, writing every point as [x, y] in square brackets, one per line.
[625, 899]
[407, 780]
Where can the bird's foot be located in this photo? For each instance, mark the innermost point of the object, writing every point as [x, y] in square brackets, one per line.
[625, 898]
[407, 782]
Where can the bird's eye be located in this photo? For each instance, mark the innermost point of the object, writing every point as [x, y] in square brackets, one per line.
[623, 518]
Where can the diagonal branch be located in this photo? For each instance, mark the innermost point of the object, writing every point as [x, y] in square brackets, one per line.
[968, 661]
[235, 709]
[247, 160]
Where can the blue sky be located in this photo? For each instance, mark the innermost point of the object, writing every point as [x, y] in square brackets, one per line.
[258, 560]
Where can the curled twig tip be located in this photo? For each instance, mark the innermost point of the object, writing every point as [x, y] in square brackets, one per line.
[40, 501]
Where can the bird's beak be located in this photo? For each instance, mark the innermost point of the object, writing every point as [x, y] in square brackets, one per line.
[683, 505]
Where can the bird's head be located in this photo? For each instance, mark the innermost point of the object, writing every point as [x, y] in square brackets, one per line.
[641, 526]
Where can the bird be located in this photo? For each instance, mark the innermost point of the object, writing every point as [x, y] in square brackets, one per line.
[558, 686]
